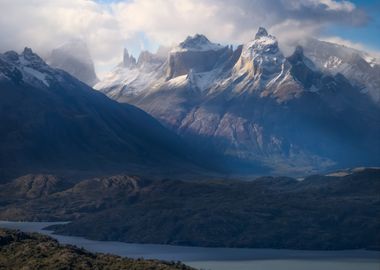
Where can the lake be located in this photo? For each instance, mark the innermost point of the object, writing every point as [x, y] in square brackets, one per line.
[220, 258]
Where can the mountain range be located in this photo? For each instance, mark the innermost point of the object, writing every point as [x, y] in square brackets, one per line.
[244, 109]
[314, 110]
[146, 156]
[51, 121]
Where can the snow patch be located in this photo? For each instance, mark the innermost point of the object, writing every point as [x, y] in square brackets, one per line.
[138, 80]
[197, 43]
[36, 74]
[178, 81]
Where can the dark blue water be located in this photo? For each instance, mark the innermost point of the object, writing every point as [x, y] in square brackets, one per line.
[220, 258]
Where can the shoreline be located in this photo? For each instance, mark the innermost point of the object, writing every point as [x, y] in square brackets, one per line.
[189, 253]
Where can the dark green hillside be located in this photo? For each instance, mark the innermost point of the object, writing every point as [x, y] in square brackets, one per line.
[320, 212]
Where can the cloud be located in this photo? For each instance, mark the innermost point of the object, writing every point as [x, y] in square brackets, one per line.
[355, 45]
[43, 25]
[168, 21]
[108, 26]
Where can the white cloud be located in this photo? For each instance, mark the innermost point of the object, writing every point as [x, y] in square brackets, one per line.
[343, 5]
[43, 25]
[168, 21]
[355, 45]
[108, 27]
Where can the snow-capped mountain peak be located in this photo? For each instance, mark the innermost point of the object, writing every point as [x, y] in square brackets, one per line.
[196, 53]
[197, 42]
[262, 61]
[29, 56]
[138, 75]
[262, 44]
[357, 66]
[27, 67]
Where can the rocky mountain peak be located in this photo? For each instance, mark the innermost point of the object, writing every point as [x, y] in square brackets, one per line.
[262, 32]
[197, 42]
[148, 58]
[298, 50]
[27, 51]
[74, 57]
[27, 67]
[262, 44]
[297, 55]
[30, 56]
[262, 56]
[128, 60]
[193, 41]
[11, 56]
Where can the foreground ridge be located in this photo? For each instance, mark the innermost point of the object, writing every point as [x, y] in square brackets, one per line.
[44, 252]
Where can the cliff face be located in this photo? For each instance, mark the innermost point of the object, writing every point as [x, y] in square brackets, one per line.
[180, 63]
[74, 58]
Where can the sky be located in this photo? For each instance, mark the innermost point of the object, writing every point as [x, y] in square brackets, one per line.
[108, 26]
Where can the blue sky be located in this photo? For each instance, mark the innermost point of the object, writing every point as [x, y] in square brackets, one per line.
[368, 34]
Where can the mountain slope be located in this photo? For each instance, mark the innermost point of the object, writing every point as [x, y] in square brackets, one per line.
[359, 67]
[133, 77]
[254, 105]
[52, 121]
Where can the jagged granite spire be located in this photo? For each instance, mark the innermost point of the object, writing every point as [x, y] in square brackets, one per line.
[263, 45]
[31, 56]
[262, 32]
[128, 60]
[297, 55]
